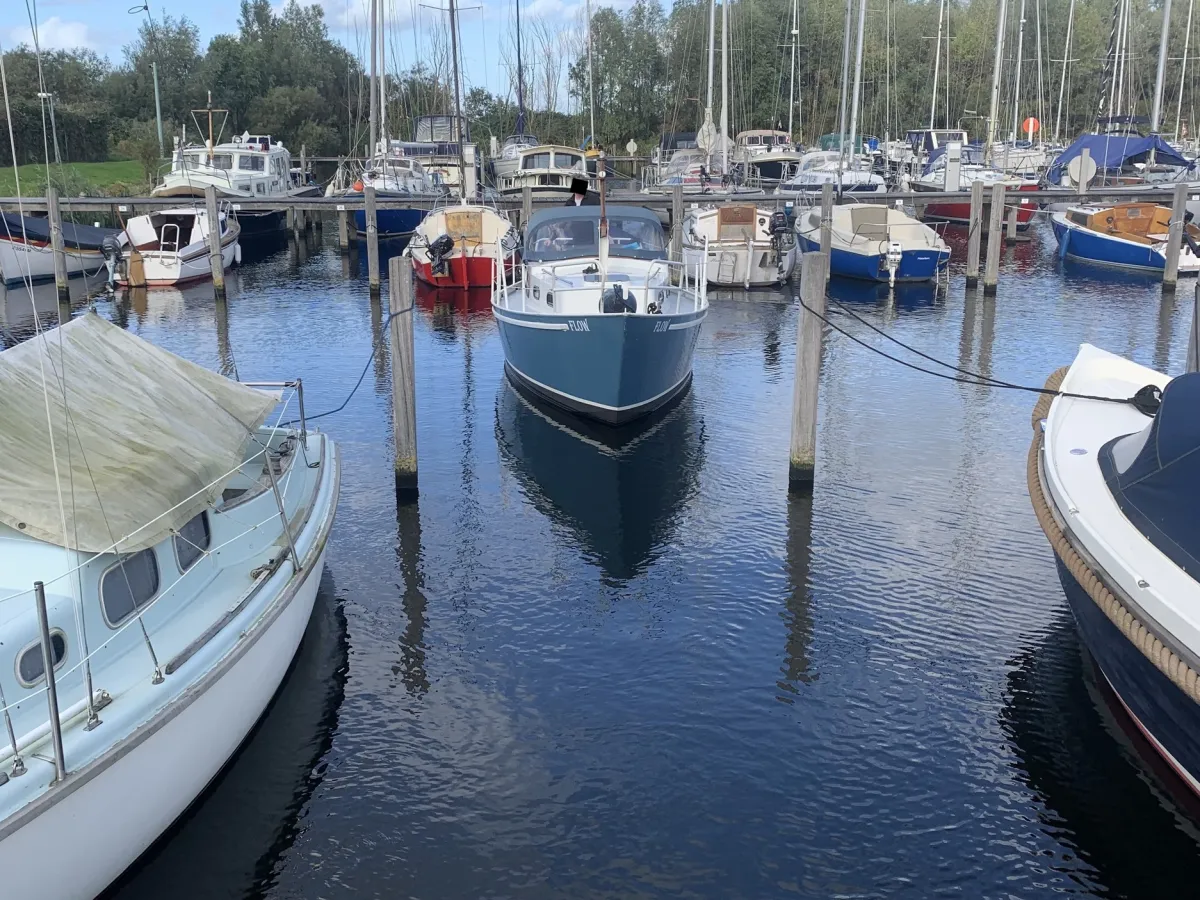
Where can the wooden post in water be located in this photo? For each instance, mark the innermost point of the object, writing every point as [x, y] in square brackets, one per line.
[1085, 157]
[290, 216]
[1175, 236]
[677, 222]
[1010, 227]
[214, 241]
[57, 247]
[991, 270]
[1193, 351]
[526, 206]
[372, 239]
[826, 223]
[974, 233]
[814, 274]
[404, 390]
[343, 228]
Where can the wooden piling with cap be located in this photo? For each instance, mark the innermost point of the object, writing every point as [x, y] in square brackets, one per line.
[343, 228]
[1175, 236]
[215, 262]
[974, 233]
[57, 246]
[372, 238]
[991, 271]
[1010, 226]
[809, 333]
[404, 391]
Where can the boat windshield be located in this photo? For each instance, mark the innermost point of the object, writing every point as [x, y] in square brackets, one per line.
[573, 238]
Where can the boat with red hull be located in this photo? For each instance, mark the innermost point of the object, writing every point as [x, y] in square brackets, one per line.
[460, 246]
[958, 212]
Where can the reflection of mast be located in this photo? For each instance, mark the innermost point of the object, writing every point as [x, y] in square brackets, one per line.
[797, 664]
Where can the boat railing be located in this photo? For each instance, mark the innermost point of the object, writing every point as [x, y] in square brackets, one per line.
[95, 699]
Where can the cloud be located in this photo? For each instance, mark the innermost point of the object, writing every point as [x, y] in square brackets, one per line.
[55, 33]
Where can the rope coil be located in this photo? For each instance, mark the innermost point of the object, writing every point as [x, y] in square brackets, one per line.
[1162, 657]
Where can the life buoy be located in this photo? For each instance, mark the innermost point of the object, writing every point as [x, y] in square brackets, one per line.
[358, 185]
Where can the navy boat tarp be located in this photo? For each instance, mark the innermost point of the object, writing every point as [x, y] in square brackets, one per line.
[34, 228]
[1112, 151]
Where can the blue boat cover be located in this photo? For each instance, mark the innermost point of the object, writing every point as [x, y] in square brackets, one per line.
[1159, 491]
[76, 237]
[1111, 151]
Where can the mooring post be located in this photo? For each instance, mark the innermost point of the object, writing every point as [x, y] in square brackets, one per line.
[343, 228]
[974, 233]
[677, 222]
[1010, 226]
[814, 273]
[214, 241]
[1175, 236]
[404, 389]
[303, 164]
[1085, 157]
[57, 247]
[1193, 351]
[526, 206]
[826, 217]
[991, 271]
[372, 239]
[290, 215]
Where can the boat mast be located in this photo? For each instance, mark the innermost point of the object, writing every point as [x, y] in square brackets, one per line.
[792, 88]
[458, 136]
[994, 111]
[521, 76]
[1017, 85]
[1156, 110]
[1122, 58]
[211, 145]
[1062, 84]
[845, 81]
[591, 83]
[707, 128]
[725, 86]
[1187, 34]
[858, 52]
[383, 75]
[1041, 83]
[374, 98]
[937, 60]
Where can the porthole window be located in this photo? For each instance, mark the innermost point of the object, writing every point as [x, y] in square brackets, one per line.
[191, 541]
[30, 666]
[128, 586]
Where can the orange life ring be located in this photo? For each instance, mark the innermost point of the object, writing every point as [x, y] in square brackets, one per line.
[358, 185]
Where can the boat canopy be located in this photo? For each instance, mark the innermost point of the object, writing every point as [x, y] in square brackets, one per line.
[572, 232]
[1154, 474]
[1112, 151]
[143, 440]
[33, 228]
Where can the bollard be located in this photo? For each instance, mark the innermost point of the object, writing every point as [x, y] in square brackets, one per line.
[974, 233]
[991, 271]
[216, 264]
[343, 229]
[1010, 228]
[526, 206]
[1193, 363]
[677, 222]
[404, 389]
[1175, 236]
[56, 246]
[372, 239]
[809, 331]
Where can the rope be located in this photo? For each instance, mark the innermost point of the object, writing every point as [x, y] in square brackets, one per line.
[1163, 658]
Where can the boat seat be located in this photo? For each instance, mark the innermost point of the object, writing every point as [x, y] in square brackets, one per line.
[869, 222]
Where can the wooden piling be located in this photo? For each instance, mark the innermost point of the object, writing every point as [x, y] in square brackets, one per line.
[826, 219]
[974, 233]
[216, 264]
[57, 247]
[372, 239]
[1193, 351]
[526, 206]
[1175, 236]
[677, 222]
[404, 391]
[1010, 227]
[343, 229]
[991, 271]
[290, 217]
[1084, 157]
[809, 331]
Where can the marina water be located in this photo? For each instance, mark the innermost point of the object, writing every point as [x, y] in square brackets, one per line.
[584, 667]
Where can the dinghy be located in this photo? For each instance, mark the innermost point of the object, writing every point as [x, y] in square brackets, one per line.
[877, 243]
[460, 246]
[1115, 487]
[161, 550]
[1126, 236]
[599, 321]
[746, 246]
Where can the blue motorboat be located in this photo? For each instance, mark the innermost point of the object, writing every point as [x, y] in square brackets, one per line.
[1126, 236]
[876, 243]
[395, 178]
[604, 326]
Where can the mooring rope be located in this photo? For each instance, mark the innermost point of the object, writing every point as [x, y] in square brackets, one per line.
[1164, 659]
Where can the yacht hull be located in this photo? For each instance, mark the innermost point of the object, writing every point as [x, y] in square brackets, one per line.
[1085, 245]
[739, 265]
[915, 265]
[612, 368]
[21, 260]
[390, 222]
[464, 272]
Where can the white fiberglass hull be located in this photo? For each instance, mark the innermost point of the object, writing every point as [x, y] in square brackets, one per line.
[191, 264]
[746, 265]
[114, 816]
[20, 261]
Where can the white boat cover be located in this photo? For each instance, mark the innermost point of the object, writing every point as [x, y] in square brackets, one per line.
[141, 430]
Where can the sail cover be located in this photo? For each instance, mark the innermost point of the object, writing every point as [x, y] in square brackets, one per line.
[1111, 151]
[137, 431]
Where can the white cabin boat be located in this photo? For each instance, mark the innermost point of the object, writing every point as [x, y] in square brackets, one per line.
[874, 242]
[547, 169]
[506, 159]
[820, 167]
[170, 246]
[165, 593]
[745, 245]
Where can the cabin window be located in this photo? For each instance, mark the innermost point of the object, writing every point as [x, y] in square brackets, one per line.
[222, 161]
[754, 141]
[252, 163]
[128, 586]
[30, 665]
[191, 541]
[567, 160]
[536, 161]
[259, 187]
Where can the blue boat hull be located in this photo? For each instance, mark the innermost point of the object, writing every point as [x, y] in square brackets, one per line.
[1088, 246]
[915, 265]
[390, 222]
[612, 368]
[1166, 715]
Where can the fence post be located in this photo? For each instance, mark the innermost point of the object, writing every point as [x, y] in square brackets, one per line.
[974, 233]
[677, 222]
[991, 272]
[216, 264]
[809, 332]
[1175, 236]
[372, 238]
[57, 247]
[404, 391]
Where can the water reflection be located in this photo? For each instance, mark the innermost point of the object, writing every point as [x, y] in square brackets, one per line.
[23, 307]
[452, 312]
[234, 838]
[410, 553]
[1073, 749]
[905, 295]
[619, 492]
[798, 613]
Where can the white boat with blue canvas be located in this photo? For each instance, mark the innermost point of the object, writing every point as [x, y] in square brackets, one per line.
[876, 243]
[160, 553]
[1126, 236]
[599, 321]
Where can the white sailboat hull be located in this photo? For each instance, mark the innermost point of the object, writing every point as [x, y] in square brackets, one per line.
[19, 261]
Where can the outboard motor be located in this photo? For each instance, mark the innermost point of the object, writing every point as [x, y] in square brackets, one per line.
[783, 238]
[439, 255]
[779, 222]
[615, 300]
[111, 248]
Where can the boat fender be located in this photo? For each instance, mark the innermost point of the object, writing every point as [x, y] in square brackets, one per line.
[1065, 245]
[615, 300]
[237, 254]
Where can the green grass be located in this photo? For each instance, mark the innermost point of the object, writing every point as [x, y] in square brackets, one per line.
[122, 175]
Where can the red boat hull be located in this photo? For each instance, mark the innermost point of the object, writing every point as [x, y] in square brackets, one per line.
[464, 272]
[958, 212]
